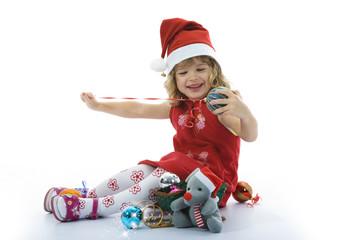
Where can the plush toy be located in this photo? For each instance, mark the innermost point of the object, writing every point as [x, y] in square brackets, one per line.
[198, 207]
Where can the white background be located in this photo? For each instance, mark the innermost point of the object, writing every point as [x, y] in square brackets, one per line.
[296, 64]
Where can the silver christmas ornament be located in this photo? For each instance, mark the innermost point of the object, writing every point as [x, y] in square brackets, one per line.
[168, 179]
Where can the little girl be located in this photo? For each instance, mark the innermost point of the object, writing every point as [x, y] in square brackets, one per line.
[202, 139]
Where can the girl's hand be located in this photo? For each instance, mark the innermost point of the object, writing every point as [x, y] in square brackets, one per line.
[90, 100]
[236, 115]
[235, 105]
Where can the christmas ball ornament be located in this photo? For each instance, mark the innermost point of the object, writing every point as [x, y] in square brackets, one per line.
[213, 96]
[131, 217]
[243, 192]
[168, 179]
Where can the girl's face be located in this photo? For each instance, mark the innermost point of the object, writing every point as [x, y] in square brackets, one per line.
[192, 79]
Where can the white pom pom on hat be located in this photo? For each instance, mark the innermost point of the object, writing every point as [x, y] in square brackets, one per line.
[180, 40]
[159, 65]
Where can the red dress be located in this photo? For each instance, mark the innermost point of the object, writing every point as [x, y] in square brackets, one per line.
[201, 140]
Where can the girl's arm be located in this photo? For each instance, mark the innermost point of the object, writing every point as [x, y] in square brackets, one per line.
[129, 109]
[236, 115]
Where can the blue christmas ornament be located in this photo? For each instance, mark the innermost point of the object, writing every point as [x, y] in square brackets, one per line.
[213, 96]
[131, 217]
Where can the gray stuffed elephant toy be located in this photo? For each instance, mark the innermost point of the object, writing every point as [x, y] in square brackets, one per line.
[198, 207]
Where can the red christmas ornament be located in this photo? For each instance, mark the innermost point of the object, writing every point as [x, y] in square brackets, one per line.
[243, 193]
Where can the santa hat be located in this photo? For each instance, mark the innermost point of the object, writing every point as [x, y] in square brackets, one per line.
[180, 40]
[209, 179]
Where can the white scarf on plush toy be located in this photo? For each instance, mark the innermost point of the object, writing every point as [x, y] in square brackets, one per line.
[198, 217]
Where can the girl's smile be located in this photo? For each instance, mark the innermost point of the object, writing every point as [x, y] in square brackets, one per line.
[195, 87]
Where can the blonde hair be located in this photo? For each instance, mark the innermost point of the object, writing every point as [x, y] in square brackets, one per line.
[216, 77]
